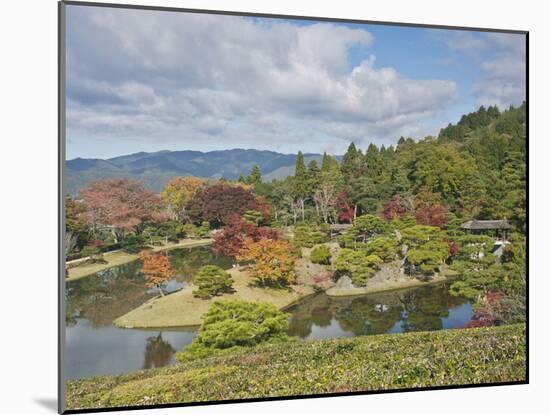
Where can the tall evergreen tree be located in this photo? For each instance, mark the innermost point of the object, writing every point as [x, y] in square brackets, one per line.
[255, 176]
[328, 163]
[372, 161]
[300, 183]
[349, 161]
[313, 174]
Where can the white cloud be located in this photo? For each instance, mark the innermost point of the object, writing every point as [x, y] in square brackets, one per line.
[502, 60]
[205, 78]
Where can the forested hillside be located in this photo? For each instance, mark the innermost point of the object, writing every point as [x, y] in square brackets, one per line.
[474, 169]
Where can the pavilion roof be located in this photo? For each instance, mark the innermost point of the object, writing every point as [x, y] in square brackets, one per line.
[486, 224]
[340, 226]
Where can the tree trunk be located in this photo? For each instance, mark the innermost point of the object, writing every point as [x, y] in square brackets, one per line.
[113, 231]
[160, 291]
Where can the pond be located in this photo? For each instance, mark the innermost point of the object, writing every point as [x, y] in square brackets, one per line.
[95, 347]
[415, 309]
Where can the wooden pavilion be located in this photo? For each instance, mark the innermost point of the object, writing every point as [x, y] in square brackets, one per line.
[498, 229]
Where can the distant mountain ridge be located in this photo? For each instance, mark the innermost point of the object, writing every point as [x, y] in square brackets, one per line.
[156, 168]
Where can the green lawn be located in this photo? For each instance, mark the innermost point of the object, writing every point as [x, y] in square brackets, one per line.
[424, 359]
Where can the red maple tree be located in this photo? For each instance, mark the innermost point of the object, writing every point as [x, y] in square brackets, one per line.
[120, 204]
[217, 203]
[230, 241]
[346, 209]
[394, 208]
[431, 214]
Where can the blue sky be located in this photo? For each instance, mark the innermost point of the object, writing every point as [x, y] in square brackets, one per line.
[147, 81]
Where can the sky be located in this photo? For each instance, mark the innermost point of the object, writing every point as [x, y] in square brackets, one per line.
[154, 80]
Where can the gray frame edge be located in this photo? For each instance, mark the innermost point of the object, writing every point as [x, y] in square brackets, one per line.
[61, 205]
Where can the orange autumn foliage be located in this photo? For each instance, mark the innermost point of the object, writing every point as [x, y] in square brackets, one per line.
[272, 261]
[157, 269]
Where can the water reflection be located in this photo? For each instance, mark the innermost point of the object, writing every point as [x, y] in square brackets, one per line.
[158, 352]
[426, 308]
[95, 347]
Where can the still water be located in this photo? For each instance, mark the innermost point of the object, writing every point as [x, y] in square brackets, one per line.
[95, 347]
[416, 309]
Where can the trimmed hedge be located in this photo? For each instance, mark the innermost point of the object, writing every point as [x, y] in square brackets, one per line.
[423, 359]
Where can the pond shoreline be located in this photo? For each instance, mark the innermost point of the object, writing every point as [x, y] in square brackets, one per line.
[182, 309]
[117, 258]
[388, 286]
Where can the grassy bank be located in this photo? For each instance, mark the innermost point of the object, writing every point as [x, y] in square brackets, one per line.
[120, 257]
[448, 357]
[183, 309]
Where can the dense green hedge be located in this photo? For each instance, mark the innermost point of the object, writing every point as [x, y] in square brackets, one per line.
[447, 357]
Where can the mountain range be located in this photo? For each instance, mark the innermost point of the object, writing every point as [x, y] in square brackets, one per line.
[156, 168]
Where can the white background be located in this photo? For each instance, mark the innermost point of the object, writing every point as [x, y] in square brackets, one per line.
[28, 235]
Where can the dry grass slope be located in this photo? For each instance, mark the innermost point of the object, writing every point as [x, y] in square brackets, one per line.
[182, 309]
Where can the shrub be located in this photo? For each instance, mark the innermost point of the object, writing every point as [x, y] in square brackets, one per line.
[365, 228]
[308, 236]
[211, 280]
[358, 263]
[132, 243]
[190, 231]
[428, 258]
[321, 255]
[384, 247]
[171, 230]
[95, 254]
[203, 231]
[253, 216]
[232, 324]
[427, 249]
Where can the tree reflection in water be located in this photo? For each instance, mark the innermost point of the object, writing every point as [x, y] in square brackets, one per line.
[109, 294]
[398, 311]
[158, 352]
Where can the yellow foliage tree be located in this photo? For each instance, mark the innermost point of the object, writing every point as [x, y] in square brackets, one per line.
[272, 263]
[177, 193]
